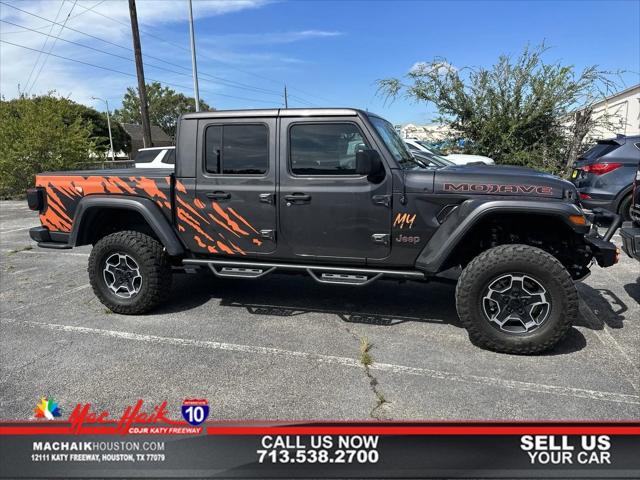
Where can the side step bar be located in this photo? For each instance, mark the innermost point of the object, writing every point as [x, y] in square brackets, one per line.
[320, 273]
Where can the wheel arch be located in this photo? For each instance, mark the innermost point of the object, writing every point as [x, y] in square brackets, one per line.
[463, 223]
[127, 211]
[622, 195]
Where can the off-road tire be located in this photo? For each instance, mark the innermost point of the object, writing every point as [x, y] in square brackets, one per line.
[153, 263]
[530, 261]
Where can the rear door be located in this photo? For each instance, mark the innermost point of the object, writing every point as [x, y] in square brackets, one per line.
[233, 211]
[327, 210]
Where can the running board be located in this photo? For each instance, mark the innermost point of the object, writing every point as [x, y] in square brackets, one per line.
[320, 273]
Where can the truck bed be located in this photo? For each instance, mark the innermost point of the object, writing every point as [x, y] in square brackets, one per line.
[64, 190]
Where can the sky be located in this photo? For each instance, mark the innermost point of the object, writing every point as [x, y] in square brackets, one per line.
[328, 53]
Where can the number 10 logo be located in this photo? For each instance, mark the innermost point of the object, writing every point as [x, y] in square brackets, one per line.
[195, 411]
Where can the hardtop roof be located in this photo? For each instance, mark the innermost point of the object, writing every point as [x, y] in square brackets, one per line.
[277, 112]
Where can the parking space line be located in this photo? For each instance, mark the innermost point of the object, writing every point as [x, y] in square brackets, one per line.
[347, 362]
[38, 252]
[631, 372]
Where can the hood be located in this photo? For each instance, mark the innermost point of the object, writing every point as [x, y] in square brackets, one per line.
[502, 180]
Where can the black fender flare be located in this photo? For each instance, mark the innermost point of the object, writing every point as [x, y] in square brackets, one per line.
[144, 206]
[470, 212]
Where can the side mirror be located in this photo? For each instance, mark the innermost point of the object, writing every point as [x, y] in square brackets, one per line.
[369, 163]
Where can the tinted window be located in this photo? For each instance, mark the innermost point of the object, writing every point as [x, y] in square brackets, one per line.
[599, 150]
[146, 156]
[237, 149]
[169, 157]
[324, 148]
[213, 148]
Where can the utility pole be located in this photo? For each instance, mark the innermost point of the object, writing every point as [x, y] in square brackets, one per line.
[142, 89]
[113, 155]
[286, 98]
[194, 65]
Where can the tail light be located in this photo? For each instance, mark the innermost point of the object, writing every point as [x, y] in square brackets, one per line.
[601, 168]
[585, 196]
[35, 198]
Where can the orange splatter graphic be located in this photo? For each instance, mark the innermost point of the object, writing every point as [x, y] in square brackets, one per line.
[223, 225]
[234, 226]
[191, 209]
[237, 248]
[180, 187]
[241, 218]
[224, 248]
[199, 241]
[149, 186]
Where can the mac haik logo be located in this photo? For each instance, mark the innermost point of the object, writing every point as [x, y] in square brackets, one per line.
[136, 419]
[404, 220]
[47, 408]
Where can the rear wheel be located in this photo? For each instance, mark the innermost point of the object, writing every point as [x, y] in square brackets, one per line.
[129, 272]
[625, 208]
[516, 299]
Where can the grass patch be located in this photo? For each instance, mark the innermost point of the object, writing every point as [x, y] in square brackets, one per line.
[365, 352]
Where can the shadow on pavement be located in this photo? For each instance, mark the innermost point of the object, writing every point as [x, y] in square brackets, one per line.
[606, 308]
[633, 290]
[384, 303]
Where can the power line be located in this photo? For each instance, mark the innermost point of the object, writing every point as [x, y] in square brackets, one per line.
[128, 59]
[229, 83]
[177, 45]
[44, 45]
[133, 75]
[87, 9]
[33, 84]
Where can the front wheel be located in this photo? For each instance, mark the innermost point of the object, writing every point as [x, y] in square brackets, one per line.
[129, 272]
[516, 299]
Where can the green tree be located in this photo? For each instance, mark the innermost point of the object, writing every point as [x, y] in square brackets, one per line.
[165, 106]
[518, 111]
[40, 134]
[100, 130]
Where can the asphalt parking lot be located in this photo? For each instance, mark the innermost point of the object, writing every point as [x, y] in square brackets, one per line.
[285, 347]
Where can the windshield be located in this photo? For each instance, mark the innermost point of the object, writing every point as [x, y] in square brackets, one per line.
[394, 143]
[432, 149]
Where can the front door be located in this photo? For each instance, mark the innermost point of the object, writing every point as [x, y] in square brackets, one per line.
[327, 210]
[234, 211]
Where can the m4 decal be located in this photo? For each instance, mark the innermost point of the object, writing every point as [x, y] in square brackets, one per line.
[404, 220]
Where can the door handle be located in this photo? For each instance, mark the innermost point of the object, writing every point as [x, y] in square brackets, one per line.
[218, 195]
[297, 198]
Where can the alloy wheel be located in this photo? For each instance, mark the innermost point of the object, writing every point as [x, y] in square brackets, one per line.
[122, 275]
[516, 303]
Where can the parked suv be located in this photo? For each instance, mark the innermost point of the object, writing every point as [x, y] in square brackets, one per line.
[336, 194]
[604, 174]
[630, 231]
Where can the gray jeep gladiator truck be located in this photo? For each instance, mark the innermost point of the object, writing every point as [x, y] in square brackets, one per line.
[336, 194]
